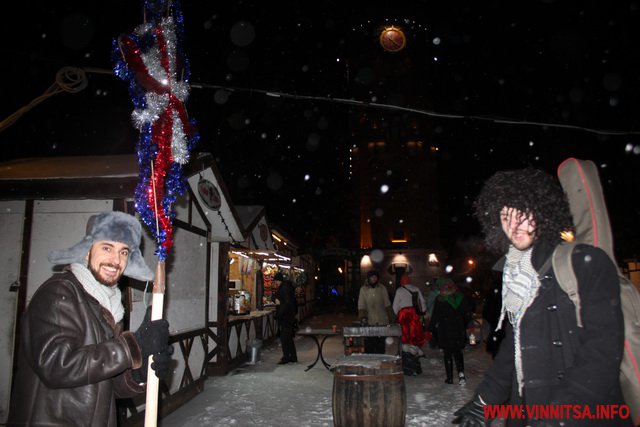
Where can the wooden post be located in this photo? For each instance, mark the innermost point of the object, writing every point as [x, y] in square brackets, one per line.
[153, 383]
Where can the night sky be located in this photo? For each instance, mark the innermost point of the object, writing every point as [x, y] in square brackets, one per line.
[504, 85]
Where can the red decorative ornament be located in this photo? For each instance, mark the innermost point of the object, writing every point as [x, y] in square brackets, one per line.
[167, 134]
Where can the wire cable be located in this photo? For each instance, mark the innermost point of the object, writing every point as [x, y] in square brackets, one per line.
[499, 120]
[68, 79]
[73, 80]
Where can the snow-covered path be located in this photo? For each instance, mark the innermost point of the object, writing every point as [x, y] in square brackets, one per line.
[268, 394]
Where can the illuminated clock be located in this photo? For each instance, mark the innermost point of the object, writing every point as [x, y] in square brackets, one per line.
[392, 39]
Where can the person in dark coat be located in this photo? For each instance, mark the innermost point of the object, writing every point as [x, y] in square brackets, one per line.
[74, 358]
[547, 360]
[451, 315]
[286, 311]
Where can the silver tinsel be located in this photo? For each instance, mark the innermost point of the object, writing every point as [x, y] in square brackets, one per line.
[179, 149]
[156, 103]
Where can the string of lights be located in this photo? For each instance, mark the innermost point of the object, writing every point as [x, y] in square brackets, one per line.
[226, 227]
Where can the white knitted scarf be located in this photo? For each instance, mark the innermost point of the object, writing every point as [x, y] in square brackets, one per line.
[520, 287]
[108, 297]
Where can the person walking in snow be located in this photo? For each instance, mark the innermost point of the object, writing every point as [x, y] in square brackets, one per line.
[545, 357]
[374, 308]
[409, 306]
[409, 316]
[451, 315]
[74, 358]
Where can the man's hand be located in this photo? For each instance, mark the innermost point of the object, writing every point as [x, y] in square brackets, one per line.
[153, 339]
[161, 365]
[472, 414]
[152, 336]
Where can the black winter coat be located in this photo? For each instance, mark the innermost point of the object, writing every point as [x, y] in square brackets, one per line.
[287, 310]
[562, 363]
[449, 325]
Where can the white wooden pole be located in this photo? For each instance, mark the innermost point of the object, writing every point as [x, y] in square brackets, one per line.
[153, 383]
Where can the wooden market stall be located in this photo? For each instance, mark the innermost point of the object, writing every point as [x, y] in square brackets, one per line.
[254, 262]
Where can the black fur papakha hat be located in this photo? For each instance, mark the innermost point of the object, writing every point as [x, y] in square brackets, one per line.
[111, 226]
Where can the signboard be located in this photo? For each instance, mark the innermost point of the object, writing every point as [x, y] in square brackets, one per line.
[209, 194]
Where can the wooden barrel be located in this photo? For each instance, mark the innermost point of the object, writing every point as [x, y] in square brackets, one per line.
[368, 391]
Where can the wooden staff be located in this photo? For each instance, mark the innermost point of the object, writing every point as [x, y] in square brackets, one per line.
[157, 306]
[153, 383]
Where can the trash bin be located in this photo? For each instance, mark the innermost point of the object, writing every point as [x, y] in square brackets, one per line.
[254, 351]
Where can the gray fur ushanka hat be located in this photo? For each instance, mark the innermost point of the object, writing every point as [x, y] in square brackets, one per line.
[115, 227]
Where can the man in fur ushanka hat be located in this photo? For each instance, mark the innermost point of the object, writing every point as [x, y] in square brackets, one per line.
[74, 358]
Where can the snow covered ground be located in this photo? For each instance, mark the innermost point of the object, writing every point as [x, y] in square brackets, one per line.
[268, 394]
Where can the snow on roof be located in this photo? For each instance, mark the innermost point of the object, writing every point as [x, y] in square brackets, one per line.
[117, 166]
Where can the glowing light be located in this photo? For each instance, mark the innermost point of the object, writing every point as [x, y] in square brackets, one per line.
[433, 259]
[365, 262]
[567, 235]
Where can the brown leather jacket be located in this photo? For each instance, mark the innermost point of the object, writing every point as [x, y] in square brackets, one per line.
[73, 362]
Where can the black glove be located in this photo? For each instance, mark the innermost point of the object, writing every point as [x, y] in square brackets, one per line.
[152, 336]
[153, 339]
[472, 414]
[162, 362]
[161, 366]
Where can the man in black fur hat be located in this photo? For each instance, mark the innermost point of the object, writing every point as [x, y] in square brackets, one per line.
[74, 359]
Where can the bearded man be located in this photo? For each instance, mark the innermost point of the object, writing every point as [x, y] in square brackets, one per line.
[74, 358]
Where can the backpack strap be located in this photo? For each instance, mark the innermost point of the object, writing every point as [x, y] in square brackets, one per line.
[415, 299]
[545, 268]
[566, 277]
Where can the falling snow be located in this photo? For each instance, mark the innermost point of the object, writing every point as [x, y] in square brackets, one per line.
[491, 89]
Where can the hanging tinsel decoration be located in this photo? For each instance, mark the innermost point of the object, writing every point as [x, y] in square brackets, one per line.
[151, 61]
